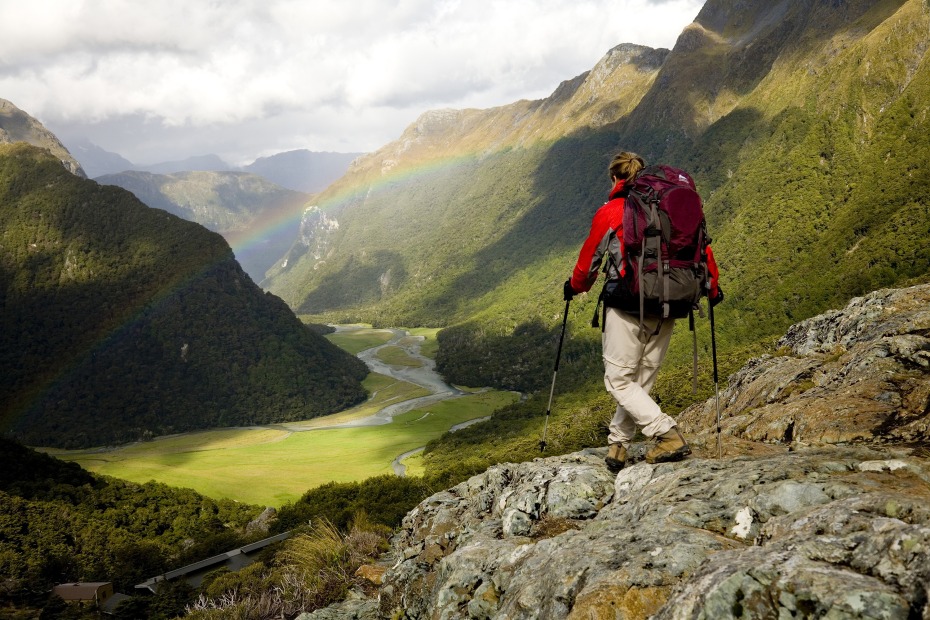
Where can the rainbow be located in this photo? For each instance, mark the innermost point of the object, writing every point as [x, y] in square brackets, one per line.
[351, 188]
[272, 224]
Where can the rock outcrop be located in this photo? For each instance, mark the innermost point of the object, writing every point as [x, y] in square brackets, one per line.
[835, 532]
[819, 508]
[861, 374]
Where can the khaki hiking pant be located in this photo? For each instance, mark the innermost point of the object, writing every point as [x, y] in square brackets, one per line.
[630, 369]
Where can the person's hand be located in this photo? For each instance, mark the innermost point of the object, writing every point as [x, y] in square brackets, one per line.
[567, 291]
[716, 300]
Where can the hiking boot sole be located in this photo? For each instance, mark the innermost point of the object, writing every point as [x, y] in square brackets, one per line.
[614, 465]
[674, 455]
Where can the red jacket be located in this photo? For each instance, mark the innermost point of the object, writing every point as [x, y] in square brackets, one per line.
[605, 237]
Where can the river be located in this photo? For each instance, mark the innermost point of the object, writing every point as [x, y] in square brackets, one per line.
[424, 376]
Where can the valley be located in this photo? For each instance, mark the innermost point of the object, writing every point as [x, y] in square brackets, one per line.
[186, 391]
[270, 465]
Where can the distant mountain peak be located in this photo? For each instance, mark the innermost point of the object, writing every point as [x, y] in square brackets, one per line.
[97, 161]
[303, 170]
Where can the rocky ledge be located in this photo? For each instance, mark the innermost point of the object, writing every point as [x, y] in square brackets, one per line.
[836, 532]
[861, 374]
[819, 508]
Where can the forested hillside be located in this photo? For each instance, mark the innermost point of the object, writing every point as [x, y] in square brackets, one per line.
[807, 128]
[258, 218]
[120, 322]
[60, 524]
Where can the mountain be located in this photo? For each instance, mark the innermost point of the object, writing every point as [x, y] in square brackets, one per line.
[122, 322]
[303, 170]
[802, 122]
[258, 210]
[299, 170]
[463, 175]
[258, 218]
[17, 126]
[97, 161]
[209, 162]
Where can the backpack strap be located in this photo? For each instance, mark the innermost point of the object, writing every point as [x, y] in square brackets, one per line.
[597, 310]
[601, 299]
[656, 225]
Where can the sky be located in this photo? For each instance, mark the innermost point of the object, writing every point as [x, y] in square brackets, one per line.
[162, 80]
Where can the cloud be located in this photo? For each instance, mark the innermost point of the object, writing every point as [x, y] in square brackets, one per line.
[344, 73]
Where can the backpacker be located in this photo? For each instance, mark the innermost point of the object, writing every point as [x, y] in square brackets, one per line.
[663, 270]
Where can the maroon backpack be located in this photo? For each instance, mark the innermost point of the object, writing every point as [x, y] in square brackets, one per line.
[664, 265]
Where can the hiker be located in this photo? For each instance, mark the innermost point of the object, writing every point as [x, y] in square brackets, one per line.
[631, 361]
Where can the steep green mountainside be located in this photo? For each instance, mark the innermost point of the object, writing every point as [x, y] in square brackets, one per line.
[17, 126]
[463, 202]
[805, 125]
[816, 180]
[120, 322]
[258, 218]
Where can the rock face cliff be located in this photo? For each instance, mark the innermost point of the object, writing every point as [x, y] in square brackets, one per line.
[831, 519]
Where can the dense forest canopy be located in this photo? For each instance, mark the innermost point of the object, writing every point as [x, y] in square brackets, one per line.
[60, 524]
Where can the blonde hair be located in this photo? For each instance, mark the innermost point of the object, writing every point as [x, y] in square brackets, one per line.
[626, 166]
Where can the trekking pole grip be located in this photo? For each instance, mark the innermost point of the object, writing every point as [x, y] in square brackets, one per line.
[558, 353]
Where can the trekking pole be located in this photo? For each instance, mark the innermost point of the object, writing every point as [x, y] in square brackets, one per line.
[555, 371]
[713, 348]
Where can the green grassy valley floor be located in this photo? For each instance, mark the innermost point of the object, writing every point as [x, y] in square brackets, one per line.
[275, 464]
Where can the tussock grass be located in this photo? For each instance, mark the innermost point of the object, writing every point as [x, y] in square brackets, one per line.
[311, 570]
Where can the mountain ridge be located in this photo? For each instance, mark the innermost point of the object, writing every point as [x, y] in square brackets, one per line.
[759, 94]
[299, 170]
[257, 217]
[16, 126]
[123, 322]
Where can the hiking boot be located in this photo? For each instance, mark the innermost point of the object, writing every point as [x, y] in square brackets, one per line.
[616, 457]
[670, 446]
